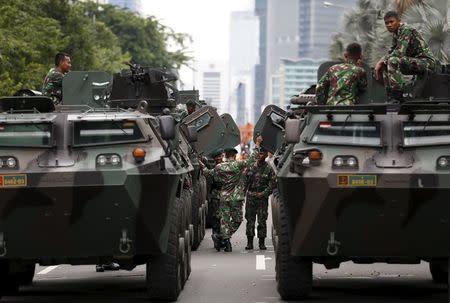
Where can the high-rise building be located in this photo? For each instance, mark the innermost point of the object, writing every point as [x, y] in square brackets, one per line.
[260, 68]
[212, 78]
[293, 77]
[132, 5]
[243, 56]
[316, 24]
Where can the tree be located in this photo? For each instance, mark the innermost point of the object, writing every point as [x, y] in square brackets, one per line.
[96, 37]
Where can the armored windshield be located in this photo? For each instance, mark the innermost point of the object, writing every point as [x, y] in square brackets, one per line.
[106, 132]
[421, 133]
[26, 134]
[347, 133]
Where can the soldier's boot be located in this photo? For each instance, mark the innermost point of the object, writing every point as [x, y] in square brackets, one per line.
[111, 266]
[262, 246]
[249, 243]
[395, 95]
[227, 246]
[217, 241]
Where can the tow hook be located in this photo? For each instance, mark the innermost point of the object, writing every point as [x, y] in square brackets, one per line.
[3, 250]
[333, 245]
[125, 243]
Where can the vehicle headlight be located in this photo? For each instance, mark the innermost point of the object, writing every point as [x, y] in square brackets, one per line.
[11, 162]
[101, 160]
[115, 160]
[442, 162]
[96, 97]
[338, 161]
[351, 162]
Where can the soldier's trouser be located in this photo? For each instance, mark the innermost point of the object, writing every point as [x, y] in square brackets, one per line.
[230, 213]
[213, 207]
[253, 208]
[397, 66]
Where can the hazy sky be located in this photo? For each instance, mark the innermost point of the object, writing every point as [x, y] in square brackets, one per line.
[207, 21]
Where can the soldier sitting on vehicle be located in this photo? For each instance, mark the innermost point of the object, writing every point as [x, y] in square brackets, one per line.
[190, 108]
[343, 82]
[52, 86]
[409, 54]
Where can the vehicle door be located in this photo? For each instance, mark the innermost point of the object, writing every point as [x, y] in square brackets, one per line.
[271, 127]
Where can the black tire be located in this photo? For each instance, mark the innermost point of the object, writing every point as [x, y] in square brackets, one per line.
[196, 218]
[188, 250]
[294, 274]
[26, 277]
[9, 283]
[164, 276]
[439, 271]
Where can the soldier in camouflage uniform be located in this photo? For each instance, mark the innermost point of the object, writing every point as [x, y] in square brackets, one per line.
[409, 54]
[52, 86]
[214, 200]
[260, 181]
[190, 108]
[229, 175]
[343, 82]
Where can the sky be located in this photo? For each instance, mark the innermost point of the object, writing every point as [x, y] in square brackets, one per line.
[207, 21]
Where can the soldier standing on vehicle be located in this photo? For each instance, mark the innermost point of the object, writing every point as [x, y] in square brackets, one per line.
[214, 200]
[343, 82]
[52, 86]
[409, 54]
[230, 175]
[260, 182]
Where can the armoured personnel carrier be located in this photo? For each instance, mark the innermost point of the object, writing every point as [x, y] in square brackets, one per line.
[106, 177]
[365, 183]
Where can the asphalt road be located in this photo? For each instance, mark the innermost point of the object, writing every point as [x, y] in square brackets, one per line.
[239, 276]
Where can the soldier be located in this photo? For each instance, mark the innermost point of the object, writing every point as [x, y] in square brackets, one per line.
[53, 81]
[190, 108]
[260, 181]
[343, 82]
[409, 54]
[213, 205]
[230, 176]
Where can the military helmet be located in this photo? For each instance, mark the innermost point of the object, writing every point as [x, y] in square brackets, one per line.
[216, 153]
[191, 102]
[230, 150]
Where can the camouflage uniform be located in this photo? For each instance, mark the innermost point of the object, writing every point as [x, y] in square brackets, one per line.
[229, 176]
[260, 178]
[409, 54]
[52, 86]
[341, 84]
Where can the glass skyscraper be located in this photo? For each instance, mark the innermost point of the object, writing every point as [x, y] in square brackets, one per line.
[132, 5]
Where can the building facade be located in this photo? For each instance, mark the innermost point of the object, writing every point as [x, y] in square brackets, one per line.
[260, 68]
[293, 77]
[212, 78]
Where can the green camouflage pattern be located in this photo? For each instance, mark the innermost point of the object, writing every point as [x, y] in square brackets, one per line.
[409, 54]
[260, 178]
[52, 86]
[341, 84]
[213, 205]
[229, 176]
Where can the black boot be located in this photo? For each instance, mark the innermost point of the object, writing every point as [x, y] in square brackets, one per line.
[249, 243]
[227, 246]
[217, 241]
[262, 246]
[395, 96]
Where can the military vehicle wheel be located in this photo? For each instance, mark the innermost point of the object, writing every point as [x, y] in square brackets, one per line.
[26, 277]
[439, 271]
[165, 272]
[294, 274]
[9, 283]
[187, 241]
[196, 217]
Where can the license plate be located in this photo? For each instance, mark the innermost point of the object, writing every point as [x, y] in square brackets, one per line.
[13, 180]
[357, 180]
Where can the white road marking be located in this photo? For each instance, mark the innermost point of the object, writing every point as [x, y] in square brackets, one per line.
[260, 262]
[47, 270]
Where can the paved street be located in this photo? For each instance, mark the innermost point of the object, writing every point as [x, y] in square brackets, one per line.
[239, 276]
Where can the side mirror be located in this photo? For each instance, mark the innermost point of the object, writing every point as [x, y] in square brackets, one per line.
[292, 131]
[192, 134]
[167, 127]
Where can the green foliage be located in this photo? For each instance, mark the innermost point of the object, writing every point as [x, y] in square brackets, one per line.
[97, 38]
[365, 25]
